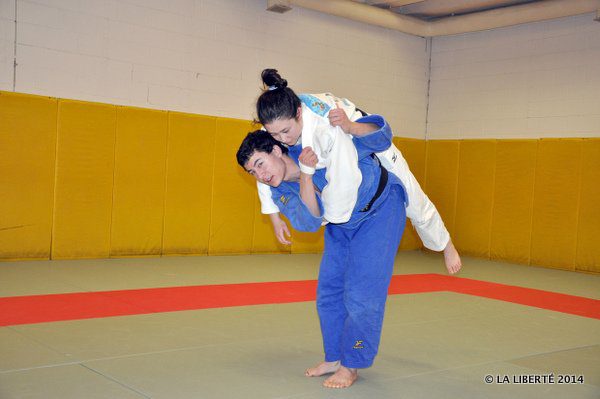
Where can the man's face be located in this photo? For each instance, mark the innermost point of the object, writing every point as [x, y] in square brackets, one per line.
[267, 168]
[286, 131]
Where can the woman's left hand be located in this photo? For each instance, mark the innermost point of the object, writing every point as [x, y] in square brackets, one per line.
[337, 117]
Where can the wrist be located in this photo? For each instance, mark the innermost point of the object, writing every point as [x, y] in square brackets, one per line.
[353, 128]
[305, 176]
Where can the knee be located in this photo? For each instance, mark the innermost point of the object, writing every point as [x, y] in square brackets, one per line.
[365, 307]
[329, 297]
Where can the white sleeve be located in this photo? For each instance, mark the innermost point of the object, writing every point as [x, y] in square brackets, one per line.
[420, 210]
[267, 206]
[337, 153]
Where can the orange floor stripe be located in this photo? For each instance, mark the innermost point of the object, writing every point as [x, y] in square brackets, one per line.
[85, 305]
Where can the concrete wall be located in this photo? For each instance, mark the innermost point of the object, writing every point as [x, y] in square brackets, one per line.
[534, 80]
[205, 56]
[7, 43]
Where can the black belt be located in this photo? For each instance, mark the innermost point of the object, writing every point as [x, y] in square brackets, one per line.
[383, 178]
[363, 113]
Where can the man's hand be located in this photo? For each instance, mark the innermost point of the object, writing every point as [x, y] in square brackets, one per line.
[308, 157]
[280, 229]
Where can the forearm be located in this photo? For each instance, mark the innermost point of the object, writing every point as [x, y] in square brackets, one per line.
[275, 219]
[308, 194]
[361, 129]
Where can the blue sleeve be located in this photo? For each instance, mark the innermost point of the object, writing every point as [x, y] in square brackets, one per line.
[296, 211]
[377, 141]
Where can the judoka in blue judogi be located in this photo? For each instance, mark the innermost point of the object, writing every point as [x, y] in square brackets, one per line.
[358, 257]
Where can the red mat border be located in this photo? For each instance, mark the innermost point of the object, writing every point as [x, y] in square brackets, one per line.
[86, 305]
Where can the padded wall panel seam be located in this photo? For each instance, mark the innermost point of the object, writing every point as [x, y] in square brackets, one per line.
[588, 236]
[139, 182]
[456, 188]
[164, 219]
[112, 199]
[188, 191]
[513, 200]
[535, 169]
[555, 208]
[84, 180]
[578, 208]
[212, 188]
[53, 207]
[474, 193]
[442, 177]
[490, 221]
[27, 162]
[232, 225]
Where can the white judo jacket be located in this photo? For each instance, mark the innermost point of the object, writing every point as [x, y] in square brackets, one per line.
[337, 153]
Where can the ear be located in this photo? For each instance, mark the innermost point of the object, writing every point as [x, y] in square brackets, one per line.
[299, 113]
[277, 151]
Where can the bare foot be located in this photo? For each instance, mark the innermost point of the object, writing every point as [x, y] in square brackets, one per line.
[322, 368]
[342, 378]
[452, 258]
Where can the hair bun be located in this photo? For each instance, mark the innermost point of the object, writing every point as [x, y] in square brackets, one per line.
[272, 79]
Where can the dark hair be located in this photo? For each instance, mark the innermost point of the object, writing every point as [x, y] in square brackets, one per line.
[258, 140]
[278, 100]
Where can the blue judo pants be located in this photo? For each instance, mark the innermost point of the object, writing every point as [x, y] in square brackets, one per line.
[354, 277]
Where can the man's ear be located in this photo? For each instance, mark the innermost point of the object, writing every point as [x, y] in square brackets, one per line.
[277, 151]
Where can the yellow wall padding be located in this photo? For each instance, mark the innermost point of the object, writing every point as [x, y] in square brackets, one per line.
[84, 180]
[474, 196]
[414, 152]
[441, 178]
[190, 167]
[307, 242]
[588, 232]
[80, 180]
[234, 191]
[27, 157]
[139, 188]
[555, 202]
[513, 200]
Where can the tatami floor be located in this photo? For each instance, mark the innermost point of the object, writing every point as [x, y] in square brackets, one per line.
[435, 344]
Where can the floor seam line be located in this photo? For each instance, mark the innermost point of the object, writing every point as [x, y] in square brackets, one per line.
[115, 381]
[553, 352]
[483, 363]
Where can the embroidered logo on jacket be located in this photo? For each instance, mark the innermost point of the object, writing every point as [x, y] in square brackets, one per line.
[317, 106]
[284, 200]
[358, 345]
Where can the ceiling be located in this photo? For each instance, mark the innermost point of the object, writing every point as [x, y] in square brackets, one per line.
[431, 10]
[429, 18]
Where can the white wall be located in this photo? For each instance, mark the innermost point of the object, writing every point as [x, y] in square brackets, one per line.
[205, 56]
[7, 43]
[535, 80]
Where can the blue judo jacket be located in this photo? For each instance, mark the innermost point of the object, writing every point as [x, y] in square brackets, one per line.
[287, 195]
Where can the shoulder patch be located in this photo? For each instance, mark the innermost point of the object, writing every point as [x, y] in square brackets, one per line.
[317, 106]
[283, 200]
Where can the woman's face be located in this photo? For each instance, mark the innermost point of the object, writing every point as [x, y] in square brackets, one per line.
[267, 168]
[286, 131]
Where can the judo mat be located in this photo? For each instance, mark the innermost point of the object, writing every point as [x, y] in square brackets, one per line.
[246, 326]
